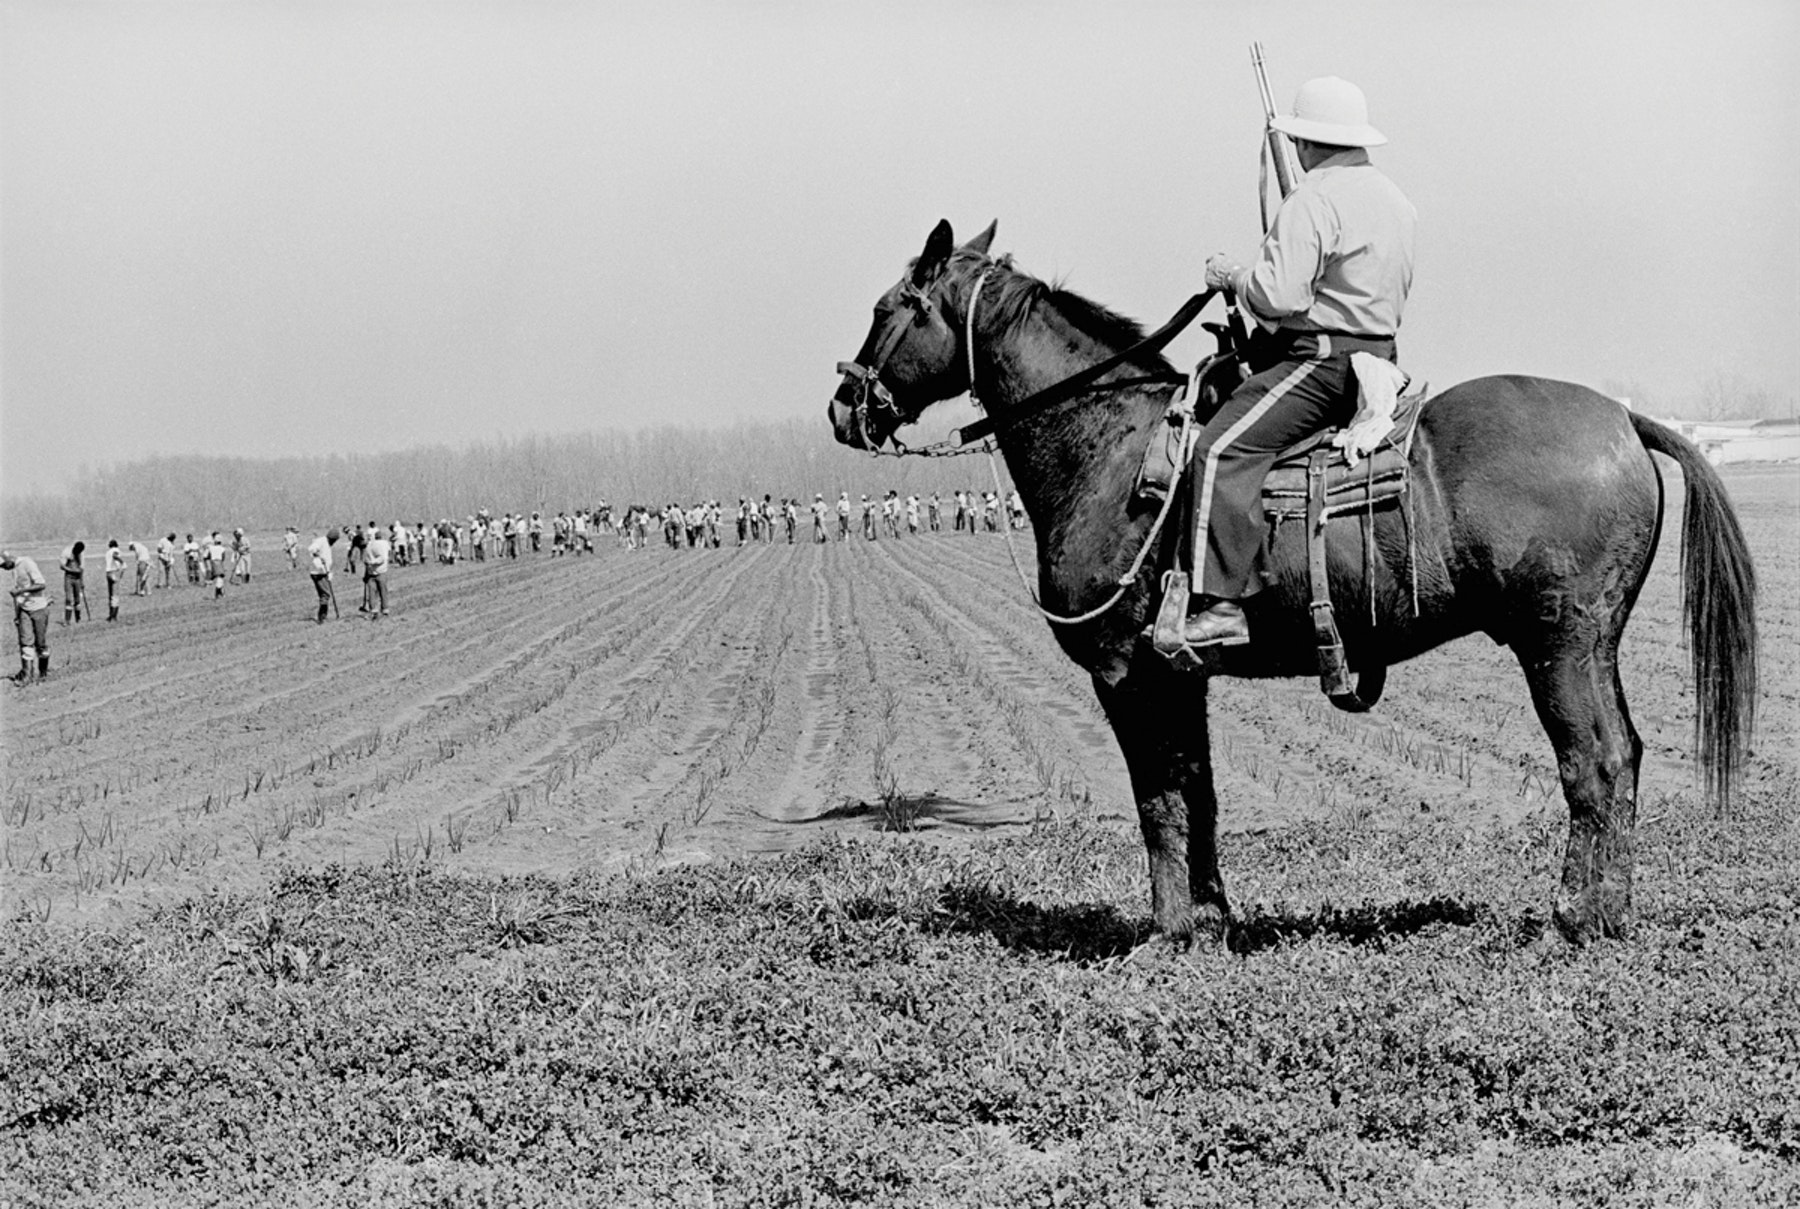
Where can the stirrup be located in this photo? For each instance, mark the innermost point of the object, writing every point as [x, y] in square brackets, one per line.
[1166, 634]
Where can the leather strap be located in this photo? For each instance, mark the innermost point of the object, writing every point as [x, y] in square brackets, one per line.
[1334, 670]
[1080, 383]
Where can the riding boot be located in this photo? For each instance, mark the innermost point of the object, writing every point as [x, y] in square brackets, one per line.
[1220, 623]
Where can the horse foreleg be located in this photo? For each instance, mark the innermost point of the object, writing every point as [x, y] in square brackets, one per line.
[1163, 735]
[1582, 705]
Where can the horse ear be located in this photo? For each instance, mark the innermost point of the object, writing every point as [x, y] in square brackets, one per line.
[983, 241]
[938, 246]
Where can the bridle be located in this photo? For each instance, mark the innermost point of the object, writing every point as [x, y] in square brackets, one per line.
[872, 394]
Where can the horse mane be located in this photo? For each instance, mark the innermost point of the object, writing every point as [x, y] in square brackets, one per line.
[1017, 293]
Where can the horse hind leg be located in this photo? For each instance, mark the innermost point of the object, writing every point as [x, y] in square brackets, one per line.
[1581, 704]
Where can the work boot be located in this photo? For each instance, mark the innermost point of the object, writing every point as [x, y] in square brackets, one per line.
[1222, 624]
[43, 667]
[23, 675]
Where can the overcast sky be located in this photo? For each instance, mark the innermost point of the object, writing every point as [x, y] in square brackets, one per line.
[268, 228]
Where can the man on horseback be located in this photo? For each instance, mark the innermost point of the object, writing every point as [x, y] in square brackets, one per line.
[1330, 280]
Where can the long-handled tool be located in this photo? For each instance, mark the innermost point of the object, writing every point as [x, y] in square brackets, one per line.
[332, 588]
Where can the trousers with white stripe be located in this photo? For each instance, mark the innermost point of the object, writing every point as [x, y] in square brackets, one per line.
[1310, 389]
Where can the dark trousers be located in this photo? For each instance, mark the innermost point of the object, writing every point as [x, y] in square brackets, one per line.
[322, 584]
[34, 633]
[1308, 389]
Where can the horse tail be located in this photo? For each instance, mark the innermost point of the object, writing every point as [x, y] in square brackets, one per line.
[1718, 608]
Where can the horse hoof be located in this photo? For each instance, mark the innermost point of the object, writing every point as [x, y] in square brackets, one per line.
[1580, 923]
[1202, 927]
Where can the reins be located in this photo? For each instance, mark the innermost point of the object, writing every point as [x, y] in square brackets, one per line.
[1185, 409]
[1049, 396]
[1087, 381]
[1077, 384]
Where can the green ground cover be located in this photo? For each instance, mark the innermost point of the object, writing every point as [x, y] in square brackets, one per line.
[895, 1022]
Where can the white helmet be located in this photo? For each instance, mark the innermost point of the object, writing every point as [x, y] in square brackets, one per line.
[1331, 111]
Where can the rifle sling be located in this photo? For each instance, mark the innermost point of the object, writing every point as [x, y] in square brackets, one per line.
[1082, 382]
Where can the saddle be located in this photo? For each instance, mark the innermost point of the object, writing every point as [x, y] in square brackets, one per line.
[1313, 482]
[1379, 477]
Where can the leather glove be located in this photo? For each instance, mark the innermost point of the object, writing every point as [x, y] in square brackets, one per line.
[1220, 269]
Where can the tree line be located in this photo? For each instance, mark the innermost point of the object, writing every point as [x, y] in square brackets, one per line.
[188, 491]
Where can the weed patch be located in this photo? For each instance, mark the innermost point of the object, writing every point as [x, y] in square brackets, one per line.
[887, 1022]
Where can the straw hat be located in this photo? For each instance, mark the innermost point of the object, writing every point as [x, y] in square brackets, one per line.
[1331, 111]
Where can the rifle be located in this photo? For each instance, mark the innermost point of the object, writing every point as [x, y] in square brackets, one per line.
[1277, 149]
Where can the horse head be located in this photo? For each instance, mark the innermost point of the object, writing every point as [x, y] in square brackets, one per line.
[913, 355]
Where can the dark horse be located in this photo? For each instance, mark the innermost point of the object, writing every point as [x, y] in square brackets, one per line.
[1536, 510]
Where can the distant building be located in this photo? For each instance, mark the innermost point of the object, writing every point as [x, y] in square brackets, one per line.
[1727, 441]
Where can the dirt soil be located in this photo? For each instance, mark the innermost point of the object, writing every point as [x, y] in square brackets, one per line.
[641, 707]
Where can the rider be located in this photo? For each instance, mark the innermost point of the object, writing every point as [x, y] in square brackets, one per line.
[1330, 280]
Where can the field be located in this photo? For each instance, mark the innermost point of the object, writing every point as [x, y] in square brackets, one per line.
[809, 874]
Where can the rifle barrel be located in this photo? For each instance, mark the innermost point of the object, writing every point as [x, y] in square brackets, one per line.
[1281, 151]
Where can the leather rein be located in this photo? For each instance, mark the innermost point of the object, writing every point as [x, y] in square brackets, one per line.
[872, 393]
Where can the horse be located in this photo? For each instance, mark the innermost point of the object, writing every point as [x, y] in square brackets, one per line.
[1536, 509]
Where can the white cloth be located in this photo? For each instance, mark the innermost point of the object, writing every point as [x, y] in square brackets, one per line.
[1378, 387]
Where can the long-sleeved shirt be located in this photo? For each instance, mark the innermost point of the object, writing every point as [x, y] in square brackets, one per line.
[28, 591]
[1339, 254]
[320, 552]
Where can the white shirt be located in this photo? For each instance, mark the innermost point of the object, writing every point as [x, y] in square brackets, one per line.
[28, 585]
[1339, 254]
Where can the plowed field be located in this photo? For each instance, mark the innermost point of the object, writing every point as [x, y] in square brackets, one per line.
[641, 707]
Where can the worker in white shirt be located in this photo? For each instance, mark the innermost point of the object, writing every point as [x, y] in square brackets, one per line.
[320, 554]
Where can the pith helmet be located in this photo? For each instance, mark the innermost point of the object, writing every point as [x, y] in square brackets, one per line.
[1332, 111]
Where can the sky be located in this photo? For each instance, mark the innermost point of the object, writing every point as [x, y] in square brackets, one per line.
[263, 229]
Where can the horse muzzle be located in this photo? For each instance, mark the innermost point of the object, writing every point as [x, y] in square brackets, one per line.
[862, 411]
